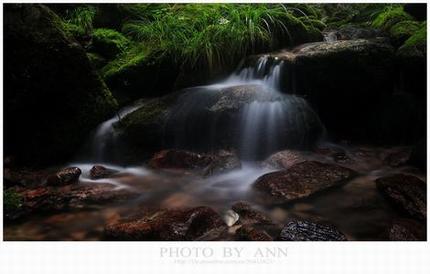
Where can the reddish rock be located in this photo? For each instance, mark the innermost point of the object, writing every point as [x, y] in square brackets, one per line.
[99, 172]
[302, 180]
[407, 230]
[23, 177]
[66, 176]
[248, 215]
[166, 225]
[299, 230]
[398, 157]
[250, 233]
[407, 192]
[286, 159]
[49, 199]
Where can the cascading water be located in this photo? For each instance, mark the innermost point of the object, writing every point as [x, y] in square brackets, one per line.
[246, 112]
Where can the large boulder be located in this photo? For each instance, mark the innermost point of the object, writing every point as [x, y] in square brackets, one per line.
[406, 230]
[64, 176]
[166, 225]
[407, 192]
[223, 116]
[52, 96]
[302, 180]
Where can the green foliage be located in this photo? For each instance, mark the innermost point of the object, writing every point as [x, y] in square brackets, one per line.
[11, 200]
[419, 38]
[136, 56]
[204, 33]
[403, 30]
[416, 44]
[390, 16]
[82, 18]
[109, 43]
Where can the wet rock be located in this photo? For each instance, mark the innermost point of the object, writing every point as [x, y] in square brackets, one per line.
[208, 118]
[52, 199]
[98, 172]
[302, 180]
[166, 225]
[407, 230]
[248, 215]
[66, 176]
[300, 230]
[206, 163]
[286, 159]
[250, 233]
[407, 192]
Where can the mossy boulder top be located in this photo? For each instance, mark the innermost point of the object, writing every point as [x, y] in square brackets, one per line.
[54, 97]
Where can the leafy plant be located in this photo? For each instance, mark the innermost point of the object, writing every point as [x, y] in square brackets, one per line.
[203, 33]
[82, 18]
[390, 16]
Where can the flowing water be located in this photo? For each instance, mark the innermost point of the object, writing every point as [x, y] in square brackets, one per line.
[356, 208]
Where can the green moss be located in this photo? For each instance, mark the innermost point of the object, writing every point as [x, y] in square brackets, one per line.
[390, 16]
[401, 31]
[136, 56]
[416, 44]
[318, 24]
[11, 200]
[109, 43]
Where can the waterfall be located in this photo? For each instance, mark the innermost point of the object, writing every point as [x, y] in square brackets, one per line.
[245, 112]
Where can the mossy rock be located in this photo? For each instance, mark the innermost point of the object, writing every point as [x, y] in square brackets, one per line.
[53, 96]
[391, 16]
[109, 43]
[97, 60]
[140, 72]
[401, 31]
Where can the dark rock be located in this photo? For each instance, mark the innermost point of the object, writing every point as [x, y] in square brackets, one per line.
[98, 172]
[53, 97]
[407, 192]
[250, 233]
[210, 118]
[248, 215]
[407, 230]
[302, 180]
[66, 176]
[180, 159]
[299, 230]
[166, 225]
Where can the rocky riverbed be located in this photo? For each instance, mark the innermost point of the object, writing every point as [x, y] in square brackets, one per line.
[332, 193]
